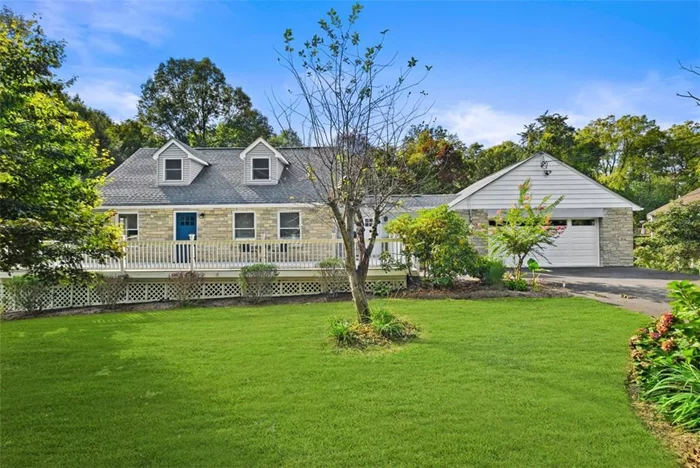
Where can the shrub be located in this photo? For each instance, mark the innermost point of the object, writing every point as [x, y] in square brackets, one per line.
[110, 290]
[342, 332]
[662, 352]
[439, 240]
[333, 276]
[675, 241]
[389, 326]
[489, 271]
[381, 289]
[677, 393]
[510, 281]
[187, 286]
[27, 293]
[257, 280]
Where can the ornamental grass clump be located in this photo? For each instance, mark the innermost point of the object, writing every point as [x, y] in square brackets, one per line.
[666, 358]
[384, 329]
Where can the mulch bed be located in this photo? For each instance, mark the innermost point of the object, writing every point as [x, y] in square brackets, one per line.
[463, 289]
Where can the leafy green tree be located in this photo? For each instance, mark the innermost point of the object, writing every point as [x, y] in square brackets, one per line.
[439, 239]
[435, 157]
[241, 129]
[481, 162]
[48, 158]
[287, 137]
[128, 136]
[551, 133]
[631, 148]
[524, 229]
[188, 98]
[674, 243]
[99, 121]
[681, 157]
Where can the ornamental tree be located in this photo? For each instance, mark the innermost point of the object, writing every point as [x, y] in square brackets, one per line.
[354, 118]
[524, 229]
[48, 163]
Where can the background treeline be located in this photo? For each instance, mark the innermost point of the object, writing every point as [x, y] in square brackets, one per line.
[192, 101]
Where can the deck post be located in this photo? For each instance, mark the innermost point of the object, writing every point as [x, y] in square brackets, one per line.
[122, 259]
[191, 248]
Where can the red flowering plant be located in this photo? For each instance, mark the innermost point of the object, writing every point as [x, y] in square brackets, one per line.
[525, 229]
[672, 339]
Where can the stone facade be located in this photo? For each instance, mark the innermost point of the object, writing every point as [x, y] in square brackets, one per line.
[479, 221]
[616, 237]
[216, 224]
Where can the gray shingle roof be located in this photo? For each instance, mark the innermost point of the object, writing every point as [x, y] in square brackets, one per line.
[135, 183]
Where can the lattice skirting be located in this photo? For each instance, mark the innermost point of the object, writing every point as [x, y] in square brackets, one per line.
[67, 296]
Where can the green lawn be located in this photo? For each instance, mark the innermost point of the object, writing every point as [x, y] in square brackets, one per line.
[489, 383]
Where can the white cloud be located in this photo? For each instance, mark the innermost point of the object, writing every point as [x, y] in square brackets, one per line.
[113, 97]
[654, 96]
[480, 122]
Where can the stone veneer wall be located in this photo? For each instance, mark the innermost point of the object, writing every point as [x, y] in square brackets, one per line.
[616, 237]
[217, 224]
[478, 217]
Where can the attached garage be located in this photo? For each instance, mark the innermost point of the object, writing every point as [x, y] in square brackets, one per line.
[599, 229]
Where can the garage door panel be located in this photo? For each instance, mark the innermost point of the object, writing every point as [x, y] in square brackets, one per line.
[576, 246]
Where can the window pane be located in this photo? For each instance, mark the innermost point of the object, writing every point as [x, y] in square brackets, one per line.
[173, 169]
[289, 220]
[244, 233]
[261, 169]
[558, 222]
[245, 220]
[583, 222]
[130, 223]
[290, 233]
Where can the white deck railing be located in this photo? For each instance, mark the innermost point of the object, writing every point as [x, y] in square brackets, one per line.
[232, 255]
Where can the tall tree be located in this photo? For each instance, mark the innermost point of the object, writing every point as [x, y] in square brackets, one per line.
[128, 136]
[551, 133]
[482, 162]
[48, 158]
[356, 117]
[241, 129]
[188, 98]
[98, 120]
[287, 137]
[631, 147]
[437, 157]
[681, 157]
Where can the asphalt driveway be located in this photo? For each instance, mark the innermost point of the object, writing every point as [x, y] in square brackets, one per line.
[633, 288]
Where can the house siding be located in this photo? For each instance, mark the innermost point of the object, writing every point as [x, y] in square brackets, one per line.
[261, 151]
[217, 223]
[616, 237]
[174, 152]
[578, 190]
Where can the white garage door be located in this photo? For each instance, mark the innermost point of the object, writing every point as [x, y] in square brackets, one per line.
[577, 246]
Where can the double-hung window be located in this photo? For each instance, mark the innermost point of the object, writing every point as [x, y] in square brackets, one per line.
[244, 226]
[261, 168]
[130, 223]
[290, 225]
[173, 169]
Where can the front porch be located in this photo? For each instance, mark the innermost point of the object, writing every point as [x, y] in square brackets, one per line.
[230, 256]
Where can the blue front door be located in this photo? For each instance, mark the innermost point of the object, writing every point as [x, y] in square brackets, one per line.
[185, 224]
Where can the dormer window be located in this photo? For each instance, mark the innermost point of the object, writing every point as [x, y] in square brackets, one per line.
[173, 169]
[261, 168]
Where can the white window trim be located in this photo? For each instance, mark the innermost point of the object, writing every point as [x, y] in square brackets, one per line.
[279, 224]
[165, 170]
[255, 225]
[196, 223]
[138, 221]
[269, 169]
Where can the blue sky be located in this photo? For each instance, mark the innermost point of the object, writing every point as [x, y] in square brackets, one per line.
[496, 65]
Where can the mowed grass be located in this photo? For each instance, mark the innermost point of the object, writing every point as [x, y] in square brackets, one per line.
[489, 383]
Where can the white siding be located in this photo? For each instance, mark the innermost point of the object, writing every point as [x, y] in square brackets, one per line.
[578, 190]
[174, 152]
[194, 169]
[260, 151]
